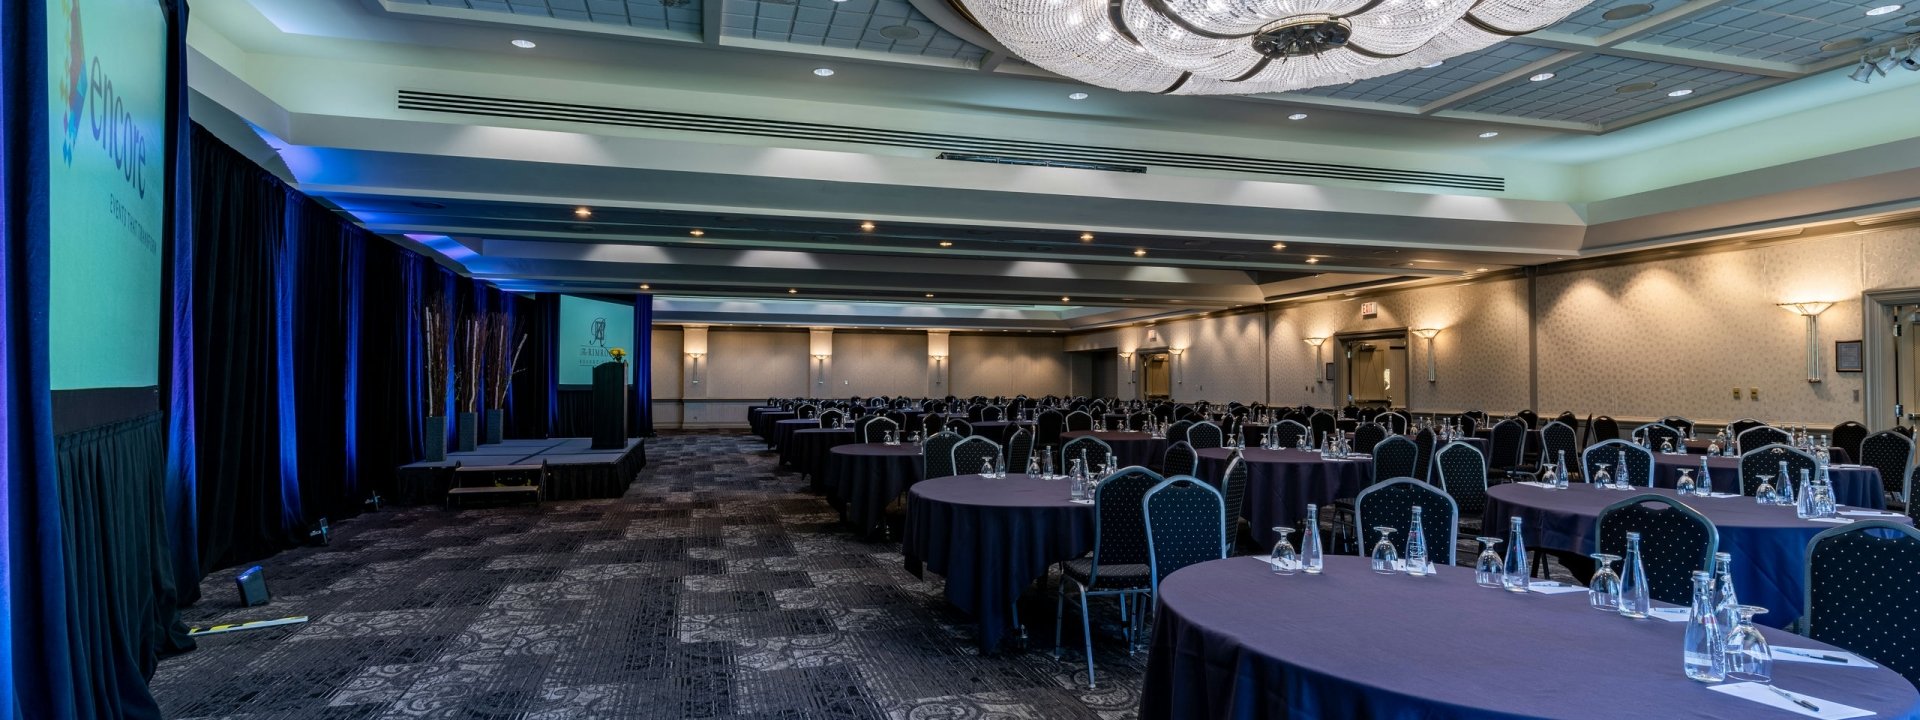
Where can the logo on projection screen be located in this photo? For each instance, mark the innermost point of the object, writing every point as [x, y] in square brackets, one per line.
[598, 331]
[74, 93]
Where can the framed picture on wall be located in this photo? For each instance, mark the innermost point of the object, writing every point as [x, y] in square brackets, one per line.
[1329, 375]
[1846, 356]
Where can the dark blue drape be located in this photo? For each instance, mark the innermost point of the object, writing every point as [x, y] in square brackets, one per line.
[642, 355]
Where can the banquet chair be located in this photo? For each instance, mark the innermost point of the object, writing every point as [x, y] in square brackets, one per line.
[876, 429]
[1287, 433]
[1639, 465]
[1675, 540]
[1205, 434]
[805, 412]
[1681, 424]
[1848, 436]
[971, 453]
[964, 428]
[932, 422]
[1233, 489]
[1504, 450]
[1394, 457]
[976, 413]
[1479, 417]
[1766, 459]
[829, 417]
[1092, 449]
[1531, 418]
[1390, 504]
[1184, 517]
[936, 455]
[1180, 459]
[992, 413]
[899, 419]
[1556, 438]
[1119, 564]
[1658, 433]
[1079, 420]
[1047, 428]
[1567, 418]
[1605, 428]
[1321, 424]
[1177, 432]
[1462, 473]
[1862, 579]
[1395, 422]
[859, 426]
[1423, 462]
[1019, 449]
[1138, 420]
[1891, 453]
[1366, 437]
[1762, 436]
[1735, 428]
[1163, 412]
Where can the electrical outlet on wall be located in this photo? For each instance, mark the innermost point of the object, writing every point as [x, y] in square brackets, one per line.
[1753, 393]
[1736, 393]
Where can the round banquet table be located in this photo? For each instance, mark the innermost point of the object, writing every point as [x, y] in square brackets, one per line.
[1281, 484]
[806, 450]
[998, 430]
[1768, 544]
[784, 429]
[1233, 640]
[1855, 485]
[861, 479]
[766, 420]
[992, 539]
[1132, 448]
[756, 417]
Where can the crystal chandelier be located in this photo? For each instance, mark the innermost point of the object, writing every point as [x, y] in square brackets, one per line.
[1238, 47]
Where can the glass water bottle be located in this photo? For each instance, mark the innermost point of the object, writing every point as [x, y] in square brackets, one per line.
[1311, 558]
[1634, 602]
[1515, 579]
[1704, 655]
[1416, 547]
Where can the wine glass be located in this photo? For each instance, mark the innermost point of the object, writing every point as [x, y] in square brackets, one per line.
[1763, 494]
[1603, 593]
[1684, 485]
[1748, 657]
[1285, 560]
[1489, 570]
[1384, 554]
[1603, 479]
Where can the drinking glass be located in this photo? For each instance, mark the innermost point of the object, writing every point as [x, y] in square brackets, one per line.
[1490, 568]
[1764, 493]
[1603, 479]
[1384, 554]
[1748, 657]
[1684, 485]
[1285, 560]
[1604, 592]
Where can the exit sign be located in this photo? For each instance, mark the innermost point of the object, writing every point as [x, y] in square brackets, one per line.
[1369, 309]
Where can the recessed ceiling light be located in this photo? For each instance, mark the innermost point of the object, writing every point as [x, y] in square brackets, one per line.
[1682, 92]
[1626, 11]
[1489, 134]
[1313, 261]
[1077, 96]
[582, 212]
[1479, 269]
[523, 44]
[791, 291]
[946, 243]
[929, 294]
[697, 232]
[1432, 65]
[1086, 237]
[866, 225]
[1064, 298]
[1297, 116]
[1542, 77]
[1883, 10]
[1279, 246]
[823, 72]
[644, 286]
[1142, 252]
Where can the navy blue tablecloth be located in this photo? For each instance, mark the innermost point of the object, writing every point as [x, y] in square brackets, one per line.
[1132, 448]
[1233, 640]
[861, 479]
[992, 538]
[1855, 485]
[766, 420]
[783, 429]
[806, 450]
[1281, 484]
[998, 430]
[1768, 544]
[756, 418]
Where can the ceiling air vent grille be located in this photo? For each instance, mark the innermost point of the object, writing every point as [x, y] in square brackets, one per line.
[955, 147]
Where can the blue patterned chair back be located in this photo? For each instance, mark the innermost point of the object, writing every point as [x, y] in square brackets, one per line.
[961, 427]
[1423, 463]
[899, 419]
[1320, 424]
[970, 453]
[1744, 424]
[1184, 517]
[1891, 453]
[1205, 434]
[1079, 420]
[1092, 448]
[1366, 436]
[1180, 459]
[1019, 449]
[1681, 424]
[1508, 445]
[1861, 583]
[1762, 436]
[1138, 420]
[1766, 459]
[1120, 523]
[806, 412]
[936, 455]
[1177, 432]
[1848, 436]
[877, 428]
[829, 417]
[1391, 503]
[1047, 427]
[992, 413]
[1287, 433]
[1395, 422]
[1462, 473]
[1657, 433]
[1394, 457]
[1531, 418]
[1556, 438]
[1639, 469]
[1233, 490]
[1675, 540]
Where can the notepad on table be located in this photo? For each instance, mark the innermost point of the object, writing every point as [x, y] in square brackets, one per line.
[1819, 657]
[1765, 695]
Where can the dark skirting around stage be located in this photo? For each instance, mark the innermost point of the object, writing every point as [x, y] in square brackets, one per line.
[575, 471]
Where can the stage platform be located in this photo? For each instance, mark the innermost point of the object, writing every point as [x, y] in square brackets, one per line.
[575, 470]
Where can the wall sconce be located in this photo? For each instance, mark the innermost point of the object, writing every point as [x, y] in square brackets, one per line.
[938, 360]
[1811, 311]
[1428, 335]
[1316, 342]
[1178, 366]
[696, 365]
[820, 378]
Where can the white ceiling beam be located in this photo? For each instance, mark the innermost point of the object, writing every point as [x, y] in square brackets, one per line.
[712, 19]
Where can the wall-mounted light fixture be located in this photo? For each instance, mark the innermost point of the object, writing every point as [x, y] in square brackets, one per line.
[820, 360]
[1811, 311]
[1316, 343]
[939, 360]
[695, 375]
[1428, 335]
[1180, 368]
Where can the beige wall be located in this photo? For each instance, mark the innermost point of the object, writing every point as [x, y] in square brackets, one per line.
[1223, 357]
[993, 365]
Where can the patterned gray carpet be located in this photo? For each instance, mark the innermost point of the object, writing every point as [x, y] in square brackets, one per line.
[716, 588]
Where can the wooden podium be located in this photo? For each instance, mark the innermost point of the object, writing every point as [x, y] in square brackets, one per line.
[610, 406]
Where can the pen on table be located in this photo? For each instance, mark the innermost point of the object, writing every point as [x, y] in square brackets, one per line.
[1796, 701]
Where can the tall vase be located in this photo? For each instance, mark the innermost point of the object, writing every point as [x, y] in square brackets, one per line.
[436, 438]
[496, 426]
[466, 430]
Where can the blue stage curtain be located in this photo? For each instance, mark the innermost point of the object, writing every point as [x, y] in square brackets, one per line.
[642, 355]
[533, 407]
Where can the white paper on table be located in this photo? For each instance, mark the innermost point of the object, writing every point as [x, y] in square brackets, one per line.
[1724, 495]
[1551, 587]
[1870, 513]
[1295, 565]
[1081, 502]
[1836, 521]
[1672, 614]
[1535, 483]
[1829, 710]
[1817, 657]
